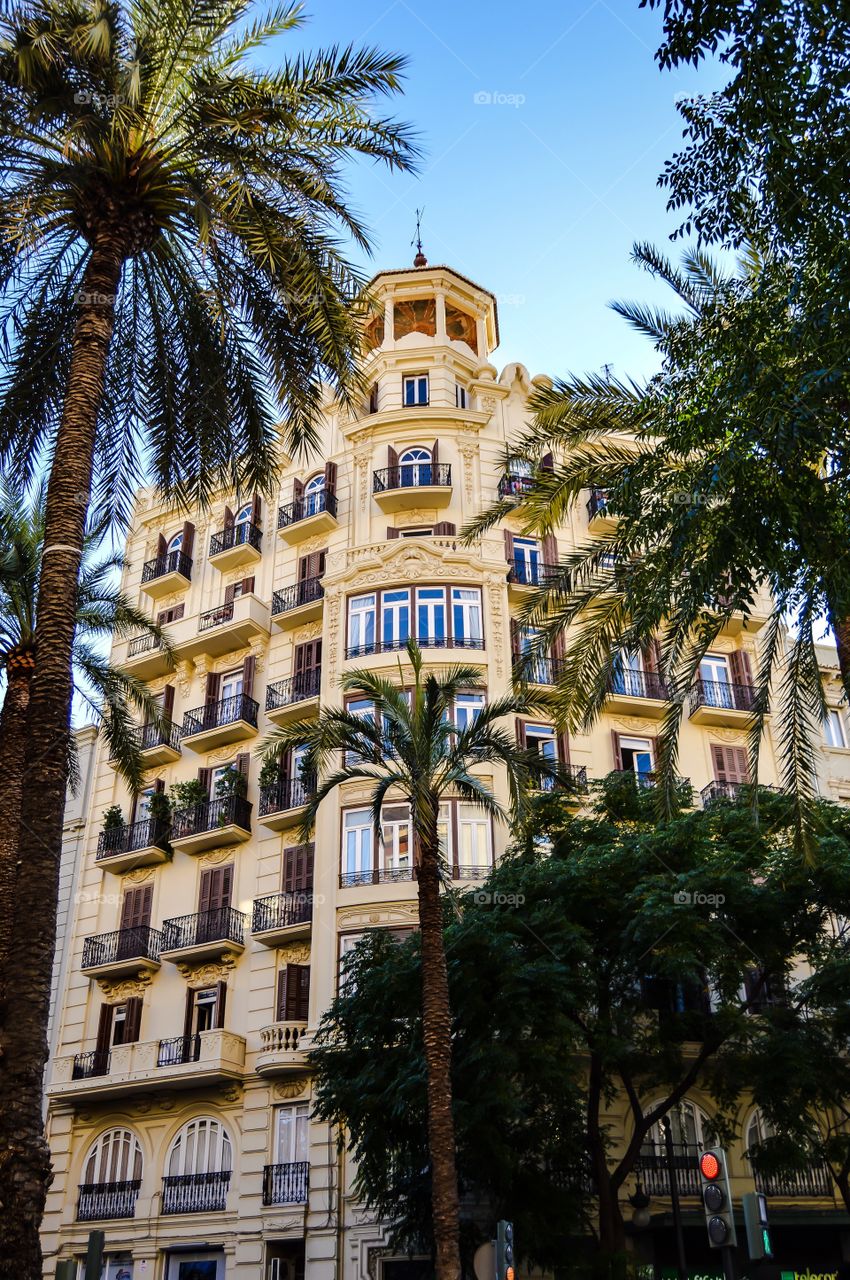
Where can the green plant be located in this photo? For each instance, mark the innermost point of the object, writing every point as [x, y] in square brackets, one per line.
[230, 782]
[113, 818]
[160, 807]
[269, 773]
[185, 795]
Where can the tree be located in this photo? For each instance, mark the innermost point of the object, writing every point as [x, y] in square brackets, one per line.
[411, 749]
[644, 959]
[173, 285]
[111, 695]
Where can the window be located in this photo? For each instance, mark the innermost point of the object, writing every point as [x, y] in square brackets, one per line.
[416, 533]
[466, 615]
[473, 830]
[176, 543]
[204, 1008]
[834, 729]
[627, 676]
[415, 467]
[535, 664]
[690, 1126]
[363, 709]
[395, 618]
[461, 397]
[431, 615]
[201, 1146]
[119, 1023]
[520, 467]
[231, 684]
[527, 561]
[291, 1134]
[541, 738]
[361, 625]
[468, 706]
[115, 1157]
[416, 389]
[357, 844]
[636, 755]
[444, 834]
[397, 853]
[143, 804]
[314, 495]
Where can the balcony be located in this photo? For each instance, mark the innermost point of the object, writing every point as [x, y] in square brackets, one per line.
[294, 699]
[721, 703]
[473, 643]
[139, 844]
[281, 1052]
[522, 576]
[306, 517]
[147, 658]
[299, 603]
[212, 824]
[236, 545]
[157, 745]
[652, 1168]
[515, 485]
[539, 671]
[282, 804]
[286, 1183]
[812, 1182]
[101, 1201]
[147, 1066]
[635, 692]
[204, 936]
[166, 574]
[195, 1192]
[218, 723]
[405, 487]
[127, 951]
[224, 629]
[599, 518]
[376, 875]
[281, 917]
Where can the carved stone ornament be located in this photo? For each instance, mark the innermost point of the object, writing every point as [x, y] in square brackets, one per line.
[292, 1088]
[310, 632]
[224, 754]
[116, 991]
[230, 1091]
[295, 953]
[488, 404]
[204, 975]
[140, 875]
[184, 671]
[730, 735]
[390, 913]
[634, 723]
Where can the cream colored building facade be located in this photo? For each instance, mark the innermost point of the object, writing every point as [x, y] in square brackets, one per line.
[178, 1096]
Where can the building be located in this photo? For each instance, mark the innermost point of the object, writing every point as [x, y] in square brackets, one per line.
[178, 1098]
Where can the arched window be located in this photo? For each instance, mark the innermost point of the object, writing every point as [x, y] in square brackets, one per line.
[691, 1129]
[176, 543]
[115, 1157]
[415, 467]
[201, 1146]
[243, 516]
[314, 491]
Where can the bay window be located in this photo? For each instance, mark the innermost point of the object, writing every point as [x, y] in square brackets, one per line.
[395, 618]
[361, 625]
[467, 707]
[474, 854]
[466, 616]
[398, 845]
[357, 846]
[431, 615]
[439, 617]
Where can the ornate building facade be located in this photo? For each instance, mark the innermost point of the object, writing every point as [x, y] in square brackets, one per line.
[179, 1100]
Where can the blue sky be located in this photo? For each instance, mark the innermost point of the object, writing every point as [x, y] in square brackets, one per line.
[544, 129]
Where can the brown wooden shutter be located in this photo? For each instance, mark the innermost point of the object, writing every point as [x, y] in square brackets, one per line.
[229, 518]
[248, 667]
[649, 654]
[212, 687]
[230, 593]
[298, 868]
[297, 490]
[174, 614]
[161, 546]
[256, 509]
[444, 529]
[515, 651]
[168, 703]
[564, 747]
[509, 546]
[304, 568]
[308, 657]
[220, 1003]
[216, 887]
[159, 785]
[393, 533]
[280, 1002]
[558, 647]
[132, 1020]
[435, 460]
[294, 993]
[188, 539]
[547, 462]
[373, 398]
[392, 460]
[189, 1013]
[741, 670]
[205, 778]
[521, 740]
[330, 477]
[549, 549]
[136, 908]
[247, 586]
[104, 1028]
[729, 763]
[243, 764]
[618, 755]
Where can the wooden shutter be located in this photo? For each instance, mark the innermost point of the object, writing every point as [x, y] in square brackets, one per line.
[174, 614]
[564, 747]
[515, 640]
[256, 509]
[229, 518]
[435, 459]
[168, 703]
[247, 586]
[212, 687]
[393, 533]
[558, 647]
[618, 755]
[248, 667]
[215, 888]
[651, 654]
[188, 539]
[189, 1013]
[230, 593]
[280, 1003]
[741, 670]
[392, 458]
[205, 778]
[242, 765]
[104, 1028]
[444, 529]
[297, 490]
[521, 740]
[161, 546]
[308, 657]
[509, 546]
[549, 549]
[330, 477]
[132, 1019]
[136, 908]
[220, 1003]
[729, 763]
[298, 868]
[373, 398]
[294, 993]
[159, 785]
[547, 462]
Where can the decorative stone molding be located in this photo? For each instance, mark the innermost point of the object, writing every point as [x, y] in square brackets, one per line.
[310, 632]
[184, 672]
[295, 953]
[332, 612]
[293, 1225]
[204, 975]
[634, 723]
[390, 913]
[292, 1088]
[140, 875]
[488, 404]
[215, 856]
[224, 754]
[730, 736]
[115, 992]
[495, 590]
[230, 1091]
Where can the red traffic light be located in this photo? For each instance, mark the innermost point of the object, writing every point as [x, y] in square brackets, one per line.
[709, 1166]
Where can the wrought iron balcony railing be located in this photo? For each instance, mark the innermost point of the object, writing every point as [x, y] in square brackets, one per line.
[398, 645]
[98, 1201]
[313, 504]
[523, 574]
[296, 689]
[305, 592]
[597, 504]
[208, 815]
[376, 875]
[140, 942]
[215, 715]
[725, 790]
[222, 924]
[538, 670]
[640, 778]
[514, 485]
[722, 694]
[148, 736]
[143, 644]
[631, 682]
[808, 1183]
[148, 833]
[172, 562]
[178, 1049]
[236, 535]
[88, 1065]
[654, 1173]
[286, 1183]
[195, 1192]
[281, 911]
[417, 475]
[289, 793]
[216, 617]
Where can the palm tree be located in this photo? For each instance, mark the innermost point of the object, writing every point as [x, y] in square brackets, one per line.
[724, 492]
[411, 748]
[173, 286]
[112, 697]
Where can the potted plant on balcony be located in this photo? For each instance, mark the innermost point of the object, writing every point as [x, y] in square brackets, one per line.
[229, 784]
[185, 795]
[113, 818]
[159, 811]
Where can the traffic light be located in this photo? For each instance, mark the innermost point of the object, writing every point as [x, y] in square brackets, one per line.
[504, 1250]
[755, 1221]
[717, 1199]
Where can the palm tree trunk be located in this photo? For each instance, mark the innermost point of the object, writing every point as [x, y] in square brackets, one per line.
[841, 630]
[436, 1033]
[13, 737]
[24, 1155]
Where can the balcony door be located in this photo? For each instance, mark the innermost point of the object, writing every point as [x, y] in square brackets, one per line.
[115, 1157]
[717, 690]
[395, 619]
[526, 560]
[308, 668]
[135, 917]
[291, 1134]
[214, 896]
[398, 843]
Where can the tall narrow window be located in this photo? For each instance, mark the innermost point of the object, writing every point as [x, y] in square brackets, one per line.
[363, 709]
[357, 845]
[314, 495]
[473, 827]
[527, 561]
[541, 738]
[361, 625]
[291, 1134]
[395, 619]
[395, 824]
[466, 616]
[467, 707]
[461, 396]
[834, 729]
[415, 468]
[431, 615]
